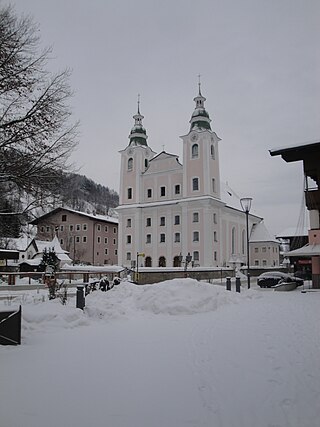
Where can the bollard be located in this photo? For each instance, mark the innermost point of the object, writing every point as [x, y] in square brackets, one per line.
[238, 284]
[248, 280]
[228, 283]
[80, 300]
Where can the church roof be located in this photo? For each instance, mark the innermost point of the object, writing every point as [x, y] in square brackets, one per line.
[164, 155]
[231, 198]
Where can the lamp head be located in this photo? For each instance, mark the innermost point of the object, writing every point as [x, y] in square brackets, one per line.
[246, 204]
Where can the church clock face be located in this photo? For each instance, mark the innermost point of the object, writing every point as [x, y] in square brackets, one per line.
[130, 152]
[194, 137]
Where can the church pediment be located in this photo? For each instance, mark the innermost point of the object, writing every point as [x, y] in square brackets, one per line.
[164, 162]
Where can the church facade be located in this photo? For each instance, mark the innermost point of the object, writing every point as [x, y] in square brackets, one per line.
[171, 211]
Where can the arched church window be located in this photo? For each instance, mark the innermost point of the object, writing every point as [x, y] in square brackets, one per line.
[177, 261]
[212, 152]
[148, 261]
[233, 241]
[195, 151]
[130, 164]
[162, 261]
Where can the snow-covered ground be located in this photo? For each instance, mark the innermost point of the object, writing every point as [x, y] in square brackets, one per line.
[174, 354]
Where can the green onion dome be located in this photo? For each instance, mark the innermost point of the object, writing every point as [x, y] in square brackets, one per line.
[200, 119]
[138, 134]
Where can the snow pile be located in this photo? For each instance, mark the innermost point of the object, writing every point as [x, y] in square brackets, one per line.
[187, 296]
[178, 353]
[173, 297]
[51, 315]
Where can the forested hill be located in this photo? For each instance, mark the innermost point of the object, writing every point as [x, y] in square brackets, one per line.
[83, 194]
[75, 191]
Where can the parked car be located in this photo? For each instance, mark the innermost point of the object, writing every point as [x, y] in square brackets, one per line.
[272, 278]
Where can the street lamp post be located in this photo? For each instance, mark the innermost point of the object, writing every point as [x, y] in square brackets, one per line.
[246, 206]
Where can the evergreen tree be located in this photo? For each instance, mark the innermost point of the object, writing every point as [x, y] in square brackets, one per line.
[49, 259]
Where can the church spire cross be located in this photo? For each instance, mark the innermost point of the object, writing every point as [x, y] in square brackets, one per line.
[138, 103]
[199, 84]
[199, 99]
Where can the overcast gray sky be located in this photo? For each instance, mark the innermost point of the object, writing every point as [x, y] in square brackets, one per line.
[260, 67]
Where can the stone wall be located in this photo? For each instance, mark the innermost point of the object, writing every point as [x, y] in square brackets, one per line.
[159, 275]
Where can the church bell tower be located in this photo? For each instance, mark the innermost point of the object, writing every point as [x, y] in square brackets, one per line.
[200, 154]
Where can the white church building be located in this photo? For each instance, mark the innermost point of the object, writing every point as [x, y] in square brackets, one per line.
[169, 210]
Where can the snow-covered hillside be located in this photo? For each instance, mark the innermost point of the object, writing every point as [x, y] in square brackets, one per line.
[174, 354]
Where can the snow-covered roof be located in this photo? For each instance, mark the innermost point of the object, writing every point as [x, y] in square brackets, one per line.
[292, 232]
[274, 151]
[93, 268]
[47, 245]
[19, 243]
[307, 251]
[260, 233]
[33, 261]
[64, 257]
[103, 218]
[231, 198]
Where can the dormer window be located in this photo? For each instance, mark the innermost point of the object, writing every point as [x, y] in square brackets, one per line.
[195, 151]
[130, 164]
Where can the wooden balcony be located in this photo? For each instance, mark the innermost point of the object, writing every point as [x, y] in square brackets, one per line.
[312, 199]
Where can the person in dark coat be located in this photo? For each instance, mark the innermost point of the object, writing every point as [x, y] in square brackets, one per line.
[103, 285]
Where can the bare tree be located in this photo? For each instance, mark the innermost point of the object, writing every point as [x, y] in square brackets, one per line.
[36, 136]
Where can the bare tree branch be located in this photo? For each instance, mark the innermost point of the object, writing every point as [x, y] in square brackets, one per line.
[36, 137]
